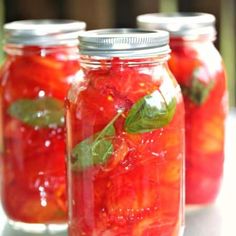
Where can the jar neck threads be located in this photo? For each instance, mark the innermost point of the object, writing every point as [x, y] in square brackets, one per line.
[19, 50]
[93, 61]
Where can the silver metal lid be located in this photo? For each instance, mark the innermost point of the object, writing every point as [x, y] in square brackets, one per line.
[180, 24]
[43, 32]
[124, 42]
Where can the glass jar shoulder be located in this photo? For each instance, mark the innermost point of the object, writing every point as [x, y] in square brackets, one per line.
[100, 93]
[199, 69]
[188, 58]
[130, 81]
[36, 75]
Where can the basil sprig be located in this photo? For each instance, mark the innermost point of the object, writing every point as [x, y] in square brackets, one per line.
[198, 91]
[39, 112]
[151, 112]
[96, 149]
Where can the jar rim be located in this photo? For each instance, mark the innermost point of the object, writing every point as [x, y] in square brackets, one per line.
[182, 24]
[123, 42]
[44, 32]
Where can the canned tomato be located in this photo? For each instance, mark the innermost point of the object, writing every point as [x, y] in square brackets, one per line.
[42, 60]
[125, 137]
[198, 68]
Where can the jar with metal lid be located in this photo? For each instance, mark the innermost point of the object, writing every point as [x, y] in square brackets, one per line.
[198, 68]
[42, 60]
[125, 137]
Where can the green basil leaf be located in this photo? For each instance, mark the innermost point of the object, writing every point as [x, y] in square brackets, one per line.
[151, 112]
[96, 149]
[197, 92]
[40, 112]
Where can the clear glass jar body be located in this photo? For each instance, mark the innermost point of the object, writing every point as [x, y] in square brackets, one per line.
[198, 69]
[34, 83]
[124, 179]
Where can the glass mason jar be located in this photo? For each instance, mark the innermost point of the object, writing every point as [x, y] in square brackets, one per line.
[198, 68]
[41, 62]
[125, 127]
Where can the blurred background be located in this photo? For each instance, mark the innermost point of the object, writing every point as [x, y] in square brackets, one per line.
[122, 13]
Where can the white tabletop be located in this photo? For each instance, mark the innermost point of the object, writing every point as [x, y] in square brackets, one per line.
[220, 219]
[216, 220]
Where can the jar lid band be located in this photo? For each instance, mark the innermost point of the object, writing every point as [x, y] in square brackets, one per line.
[43, 32]
[180, 24]
[123, 42]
